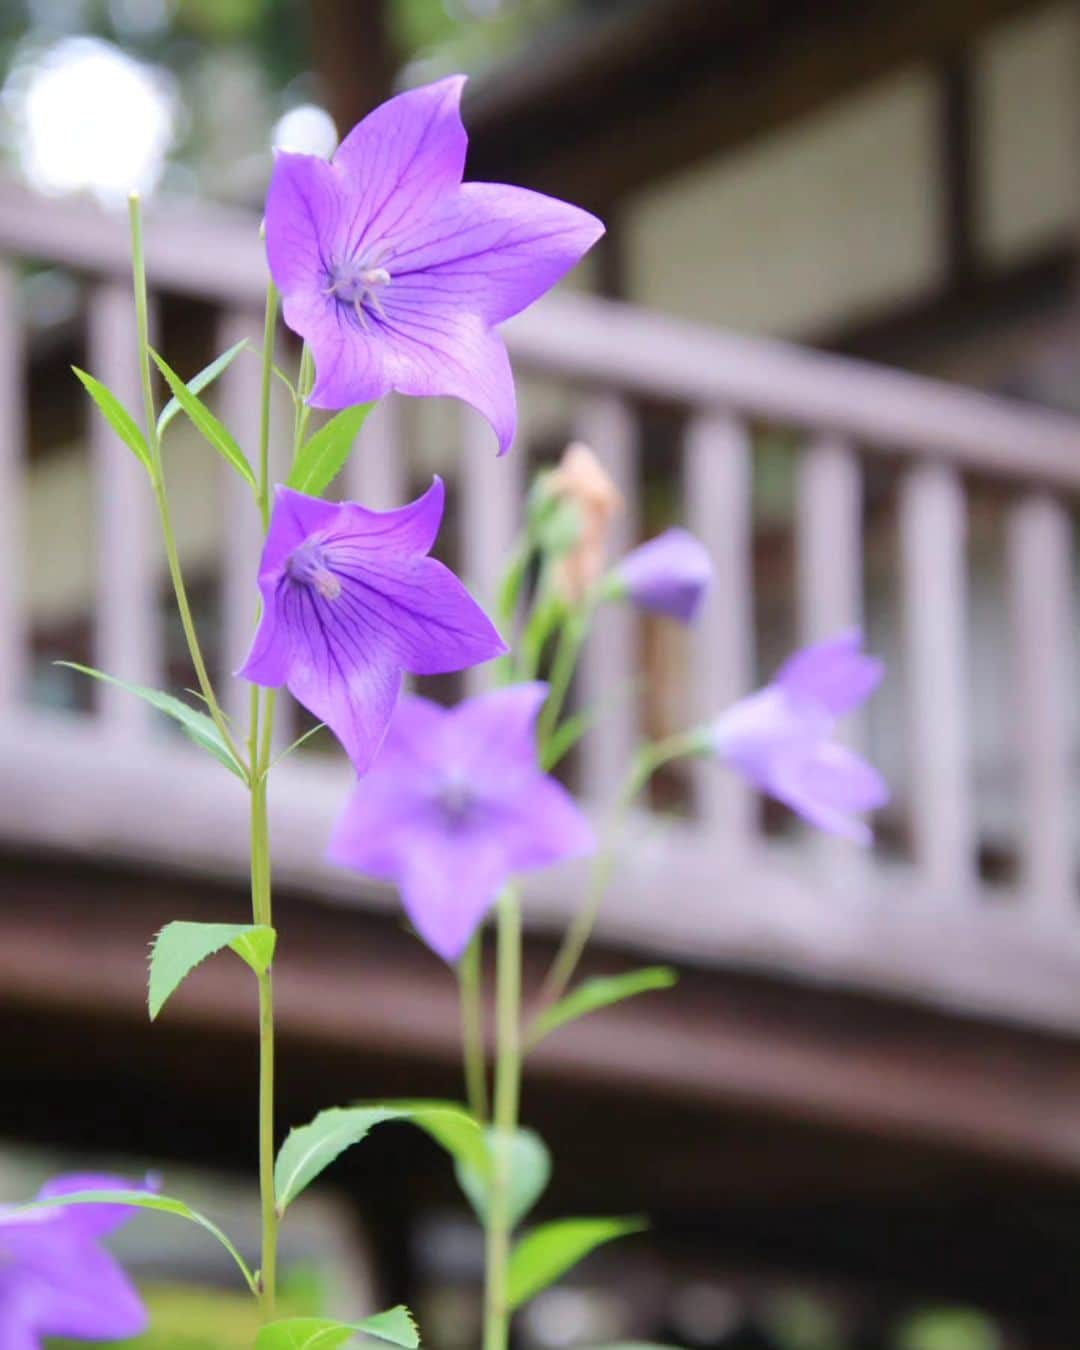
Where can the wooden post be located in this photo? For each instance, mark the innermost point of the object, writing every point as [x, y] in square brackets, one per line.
[14, 653]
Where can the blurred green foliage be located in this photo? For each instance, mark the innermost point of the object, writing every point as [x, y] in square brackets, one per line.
[948, 1329]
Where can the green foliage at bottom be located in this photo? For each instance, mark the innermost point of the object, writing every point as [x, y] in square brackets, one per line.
[193, 1318]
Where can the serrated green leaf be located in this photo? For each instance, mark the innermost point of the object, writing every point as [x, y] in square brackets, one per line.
[211, 429]
[163, 1204]
[197, 726]
[551, 1250]
[311, 1148]
[198, 383]
[320, 461]
[181, 946]
[116, 415]
[530, 1172]
[323, 1333]
[601, 992]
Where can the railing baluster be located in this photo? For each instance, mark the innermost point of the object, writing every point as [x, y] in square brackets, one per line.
[14, 653]
[377, 473]
[239, 395]
[490, 516]
[718, 470]
[933, 524]
[611, 658]
[1041, 614]
[829, 539]
[127, 637]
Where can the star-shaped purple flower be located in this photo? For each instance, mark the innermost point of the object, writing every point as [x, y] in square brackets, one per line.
[55, 1277]
[395, 272]
[780, 738]
[670, 575]
[350, 600]
[455, 806]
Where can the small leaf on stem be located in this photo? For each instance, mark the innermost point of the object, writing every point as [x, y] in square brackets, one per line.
[117, 416]
[549, 1251]
[182, 945]
[212, 430]
[601, 992]
[320, 461]
[198, 383]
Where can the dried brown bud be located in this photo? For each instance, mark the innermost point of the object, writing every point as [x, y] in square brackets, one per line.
[583, 480]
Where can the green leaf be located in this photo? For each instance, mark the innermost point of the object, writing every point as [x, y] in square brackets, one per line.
[566, 736]
[319, 462]
[322, 1333]
[116, 415]
[209, 426]
[196, 725]
[549, 1251]
[530, 1172]
[181, 946]
[198, 383]
[163, 1204]
[601, 992]
[311, 1148]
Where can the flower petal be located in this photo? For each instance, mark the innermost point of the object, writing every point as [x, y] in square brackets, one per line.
[410, 529]
[491, 739]
[542, 825]
[668, 575]
[491, 250]
[434, 353]
[826, 784]
[403, 157]
[836, 674]
[448, 885]
[384, 819]
[306, 210]
[349, 359]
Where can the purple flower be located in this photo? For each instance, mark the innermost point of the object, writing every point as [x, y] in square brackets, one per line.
[668, 575]
[395, 272]
[455, 806]
[55, 1277]
[780, 737]
[350, 601]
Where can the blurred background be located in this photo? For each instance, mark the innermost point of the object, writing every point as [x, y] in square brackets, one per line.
[833, 328]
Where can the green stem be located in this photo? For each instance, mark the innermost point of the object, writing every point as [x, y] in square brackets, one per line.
[571, 638]
[647, 761]
[157, 479]
[262, 913]
[507, 1097]
[472, 1028]
[269, 330]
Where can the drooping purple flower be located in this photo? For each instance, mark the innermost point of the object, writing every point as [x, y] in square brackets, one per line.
[780, 738]
[455, 806]
[55, 1277]
[395, 272]
[669, 575]
[350, 600]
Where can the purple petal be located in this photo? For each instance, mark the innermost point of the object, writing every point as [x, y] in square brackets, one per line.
[403, 157]
[92, 1220]
[295, 517]
[491, 250]
[409, 529]
[17, 1331]
[387, 815]
[544, 825]
[433, 354]
[447, 887]
[835, 675]
[669, 575]
[307, 209]
[350, 362]
[826, 784]
[491, 739]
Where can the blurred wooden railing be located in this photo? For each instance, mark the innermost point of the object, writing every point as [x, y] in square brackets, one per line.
[707, 888]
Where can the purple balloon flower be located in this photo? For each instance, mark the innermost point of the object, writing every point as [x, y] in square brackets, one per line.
[780, 738]
[350, 600]
[55, 1278]
[456, 805]
[670, 574]
[395, 272]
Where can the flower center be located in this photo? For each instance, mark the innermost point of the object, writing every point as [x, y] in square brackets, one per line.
[456, 801]
[307, 565]
[358, 282]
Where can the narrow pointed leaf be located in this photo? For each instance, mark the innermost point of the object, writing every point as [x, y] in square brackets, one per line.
[601, 992]
[162, 1204]
[566, 735]
[530, 1172]
[197, 726]
[212, 430]
[181, 946]
[549, 1251]
[322, 1333]
[321, 459]
[311, 1148]
[116, 415]
[199, 382]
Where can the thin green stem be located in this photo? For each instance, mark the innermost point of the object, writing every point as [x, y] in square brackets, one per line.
[262, 914]
[647, 761]
[269, 331]
[472, 1027]
[507, 1098]
[157, 478]
[571, 637]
